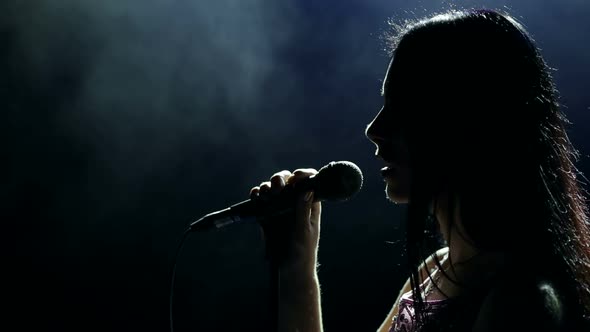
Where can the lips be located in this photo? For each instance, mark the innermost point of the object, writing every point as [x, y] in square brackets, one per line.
[393, 154]
[390, 164]
[388, 170]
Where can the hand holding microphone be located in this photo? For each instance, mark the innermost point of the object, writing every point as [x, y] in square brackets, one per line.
[293, 237]
[288, 208]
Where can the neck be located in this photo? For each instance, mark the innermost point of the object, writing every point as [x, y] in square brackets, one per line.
[460, 248]
[466, 260]
[460, 245]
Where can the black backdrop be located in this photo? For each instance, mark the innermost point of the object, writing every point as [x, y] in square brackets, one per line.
[123, 121]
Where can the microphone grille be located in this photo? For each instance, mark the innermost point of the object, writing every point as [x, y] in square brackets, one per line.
[338, 181]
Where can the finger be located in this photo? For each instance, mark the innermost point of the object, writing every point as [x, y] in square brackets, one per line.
[300, 174]
[305, 171]
[284, 174]
[278, 181]
[264, 189]
[254, 192]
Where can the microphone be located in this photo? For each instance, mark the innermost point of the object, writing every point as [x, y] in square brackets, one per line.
[336, 181]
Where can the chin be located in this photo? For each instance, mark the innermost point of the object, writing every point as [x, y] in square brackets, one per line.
[397, 196]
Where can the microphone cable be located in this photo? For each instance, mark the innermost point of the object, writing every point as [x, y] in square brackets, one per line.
[173, 274]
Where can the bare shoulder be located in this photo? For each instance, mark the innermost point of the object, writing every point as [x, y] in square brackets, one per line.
[531, 305]
[429, 264]
[440, 254]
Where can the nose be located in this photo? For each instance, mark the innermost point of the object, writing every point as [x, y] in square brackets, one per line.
[375, 129]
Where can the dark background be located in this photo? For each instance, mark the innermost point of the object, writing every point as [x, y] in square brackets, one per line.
[123, 121]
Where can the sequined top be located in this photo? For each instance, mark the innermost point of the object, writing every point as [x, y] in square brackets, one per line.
[404, 321]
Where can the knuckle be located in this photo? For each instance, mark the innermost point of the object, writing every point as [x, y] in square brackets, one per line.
[277, 181]
[305, 171]
[281, 174]
[291, 178]
[254, 192]
[311, 171]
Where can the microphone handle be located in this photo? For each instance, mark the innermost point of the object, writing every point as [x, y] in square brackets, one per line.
[252, 209]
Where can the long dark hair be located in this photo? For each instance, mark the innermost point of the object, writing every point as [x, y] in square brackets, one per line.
[481, 116]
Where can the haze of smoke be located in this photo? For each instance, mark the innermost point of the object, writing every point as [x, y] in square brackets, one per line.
[149, 75]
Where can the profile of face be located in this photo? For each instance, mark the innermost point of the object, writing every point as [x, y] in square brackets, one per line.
[385, 131]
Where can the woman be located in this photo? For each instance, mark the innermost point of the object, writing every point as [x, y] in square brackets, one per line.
[474, 142]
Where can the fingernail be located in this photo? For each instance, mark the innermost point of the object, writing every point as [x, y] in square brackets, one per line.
[307, 196]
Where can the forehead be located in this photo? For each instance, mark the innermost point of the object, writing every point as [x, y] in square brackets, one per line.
[406, 77]
[392, 74]
[386, 78]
